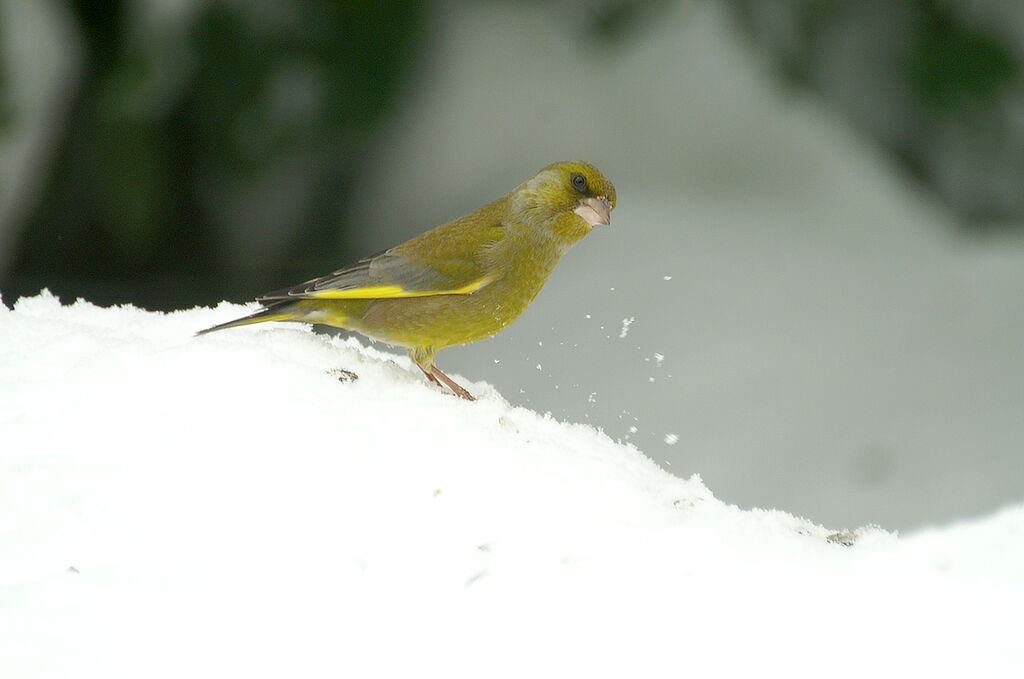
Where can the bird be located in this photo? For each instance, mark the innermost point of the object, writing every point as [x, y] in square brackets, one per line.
[460, 282]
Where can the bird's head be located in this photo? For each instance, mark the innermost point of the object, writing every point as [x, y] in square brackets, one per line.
[573, 187]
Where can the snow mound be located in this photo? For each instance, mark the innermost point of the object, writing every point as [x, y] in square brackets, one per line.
[225, 506]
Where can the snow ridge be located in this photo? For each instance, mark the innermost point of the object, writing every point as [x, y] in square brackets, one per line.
[222, 505]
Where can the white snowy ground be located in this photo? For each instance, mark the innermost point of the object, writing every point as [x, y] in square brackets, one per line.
[221, 506]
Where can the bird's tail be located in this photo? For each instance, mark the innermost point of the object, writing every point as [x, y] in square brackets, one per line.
[276, 312]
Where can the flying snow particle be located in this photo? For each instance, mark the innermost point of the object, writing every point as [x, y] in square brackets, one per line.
[671, 439]
[626, 322]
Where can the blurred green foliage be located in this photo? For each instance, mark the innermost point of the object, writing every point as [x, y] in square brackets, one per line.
[6, 112]
[238, 128]
[937, 83]
[957, 69]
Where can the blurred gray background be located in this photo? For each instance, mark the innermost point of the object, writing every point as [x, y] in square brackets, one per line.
[812, 291]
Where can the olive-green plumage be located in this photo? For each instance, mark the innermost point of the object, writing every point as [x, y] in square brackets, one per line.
[460, 282]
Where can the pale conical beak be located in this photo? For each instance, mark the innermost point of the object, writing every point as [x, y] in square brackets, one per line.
[595, 211]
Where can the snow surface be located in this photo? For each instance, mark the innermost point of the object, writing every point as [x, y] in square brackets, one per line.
[222, 506]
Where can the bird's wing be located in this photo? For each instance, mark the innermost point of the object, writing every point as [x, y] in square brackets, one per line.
[391, 274]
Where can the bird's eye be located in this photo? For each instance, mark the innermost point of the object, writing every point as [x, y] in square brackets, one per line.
[579, 182]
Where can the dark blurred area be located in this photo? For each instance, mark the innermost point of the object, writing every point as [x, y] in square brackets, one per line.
[216, 157]
[938, 84]
[210, 153]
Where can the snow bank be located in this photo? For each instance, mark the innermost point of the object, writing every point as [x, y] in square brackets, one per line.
[222, 506]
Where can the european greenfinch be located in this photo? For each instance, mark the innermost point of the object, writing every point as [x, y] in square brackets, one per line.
[461, 281]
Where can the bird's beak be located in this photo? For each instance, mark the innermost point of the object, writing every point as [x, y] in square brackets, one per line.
[595, 211]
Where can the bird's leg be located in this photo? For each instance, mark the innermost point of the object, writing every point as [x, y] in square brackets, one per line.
[424, 358]
[436, 375]
[442, 380]
[430, 376]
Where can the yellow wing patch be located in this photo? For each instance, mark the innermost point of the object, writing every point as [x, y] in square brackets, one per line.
[393, 291]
